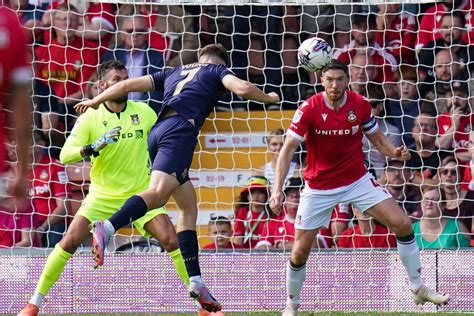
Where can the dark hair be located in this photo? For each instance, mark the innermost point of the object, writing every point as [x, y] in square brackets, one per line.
[215, 50]
[39, 136]
[406, 72]
[361, 17]
[375, 94]
[335, 64]
[456, 14]
[106, 66]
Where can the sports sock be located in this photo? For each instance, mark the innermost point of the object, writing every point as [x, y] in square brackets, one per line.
[189, 246]
[53, 268]
[134, 208]
[179, 265]
[295, 276]
[410, 257]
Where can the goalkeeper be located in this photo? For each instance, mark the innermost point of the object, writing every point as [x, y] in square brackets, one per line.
[115, 137]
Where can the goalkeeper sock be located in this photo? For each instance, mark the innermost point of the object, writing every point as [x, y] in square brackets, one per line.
[53, 268]
[179, 265]
[410, 257]
[295, 276]
[189, 246]
[133, 209]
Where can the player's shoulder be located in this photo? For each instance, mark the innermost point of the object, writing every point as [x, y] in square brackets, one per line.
[354, 96]
[8, 17]
[140, 108]
[356, 99]
[136, 105]
[313, 102]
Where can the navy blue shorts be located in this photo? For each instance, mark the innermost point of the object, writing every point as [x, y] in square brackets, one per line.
[171, 145]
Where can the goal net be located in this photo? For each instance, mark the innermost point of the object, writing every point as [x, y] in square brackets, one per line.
[411, 61]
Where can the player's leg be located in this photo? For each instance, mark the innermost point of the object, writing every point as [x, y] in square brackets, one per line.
[171, 145]
[185, 198]
[156, 196]
[369, 197]
[160, 227]
[389, 213]
[296, 268]
[314, 212]
[78, 231]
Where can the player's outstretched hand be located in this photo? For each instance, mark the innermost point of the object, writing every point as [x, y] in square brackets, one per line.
[275, 97]
[276, 202]
[81, 107]
[108, 137]
[402, 153]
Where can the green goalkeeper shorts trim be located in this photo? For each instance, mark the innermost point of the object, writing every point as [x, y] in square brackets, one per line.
[95, 209]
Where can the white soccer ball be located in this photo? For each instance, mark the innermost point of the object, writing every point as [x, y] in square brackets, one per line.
[314, 53]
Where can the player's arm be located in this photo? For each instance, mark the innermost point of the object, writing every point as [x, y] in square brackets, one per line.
[281, 170]
[247, 90]
[140, 84]
[21, 104]
[384, 146]
[77, 147]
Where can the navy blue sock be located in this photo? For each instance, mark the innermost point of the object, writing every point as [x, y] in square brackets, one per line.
[134, 208]
[188, 243]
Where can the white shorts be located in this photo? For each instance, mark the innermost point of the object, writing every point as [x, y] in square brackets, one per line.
[316, 206]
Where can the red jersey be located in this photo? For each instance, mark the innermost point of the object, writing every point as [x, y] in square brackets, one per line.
[14, 68]
[277, 230]
[342, 213]
[250, 225]
[333, 139]
[431, 21]
[102, 12]
[11, 225]
[67, 69]
[380, 238]
[400, 37]
[49, 181]
[384, 61]
[461, 136]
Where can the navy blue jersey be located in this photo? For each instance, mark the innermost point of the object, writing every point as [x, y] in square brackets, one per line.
[191, 90]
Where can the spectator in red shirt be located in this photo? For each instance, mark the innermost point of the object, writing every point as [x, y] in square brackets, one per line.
[456, 124]
[16, 219]
[251, 212]
[49, 192]
[363, 42]
[220, 231]
[66, 63]
[96, 22]
[279, 232]
[368, 233]
[431, 20]
[397, 32]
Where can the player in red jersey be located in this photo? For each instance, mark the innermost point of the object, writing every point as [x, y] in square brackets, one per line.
[15, 80]
[333, 123]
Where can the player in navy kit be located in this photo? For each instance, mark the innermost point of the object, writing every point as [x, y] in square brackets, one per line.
[190, 94]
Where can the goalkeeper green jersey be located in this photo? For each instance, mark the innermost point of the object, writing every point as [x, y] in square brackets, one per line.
[121, 169]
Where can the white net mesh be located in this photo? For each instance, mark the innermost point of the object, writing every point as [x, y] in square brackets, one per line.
[412, 61]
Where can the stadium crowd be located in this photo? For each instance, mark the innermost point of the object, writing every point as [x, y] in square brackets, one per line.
[412, 62]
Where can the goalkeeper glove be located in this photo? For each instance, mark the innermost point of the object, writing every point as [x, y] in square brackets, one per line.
[108, 137]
